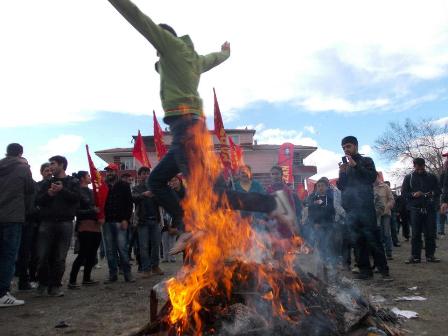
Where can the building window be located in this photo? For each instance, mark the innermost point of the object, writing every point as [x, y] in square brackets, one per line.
[127, 163]
[236, 139]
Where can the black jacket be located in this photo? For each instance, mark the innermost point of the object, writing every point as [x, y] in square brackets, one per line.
[324, 213]
[146, 208]
[444, 183]
[16, 187]
[426, 183]
[119, 202]
[63, 205]
[356, 184]
[86, 209]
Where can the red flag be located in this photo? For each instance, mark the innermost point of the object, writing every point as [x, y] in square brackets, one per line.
[139, 151]
[285, 160]
[158, 138]
[301, 192]
[236, 155]
[222, 137]
[100, 189]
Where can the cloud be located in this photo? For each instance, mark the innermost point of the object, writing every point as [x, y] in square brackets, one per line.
[310, 129]
[68, 145]
[62, 66]
[275, 136]
[326, 162]
[442, 122]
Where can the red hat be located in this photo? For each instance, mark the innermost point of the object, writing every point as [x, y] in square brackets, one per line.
[112, 166]
[445, 154]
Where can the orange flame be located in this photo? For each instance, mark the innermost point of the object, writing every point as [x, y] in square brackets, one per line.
[225, 235]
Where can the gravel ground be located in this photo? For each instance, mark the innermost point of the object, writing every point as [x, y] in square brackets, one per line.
[115, 309]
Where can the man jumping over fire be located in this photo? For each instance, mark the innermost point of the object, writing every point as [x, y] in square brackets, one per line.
[180, 68]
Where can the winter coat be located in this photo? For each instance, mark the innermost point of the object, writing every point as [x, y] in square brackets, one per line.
[62, 206]
[146, 208]
[180, 66]
[426, 183]
[16, 187]
[119, 202]
[356, 184]
[383, 191]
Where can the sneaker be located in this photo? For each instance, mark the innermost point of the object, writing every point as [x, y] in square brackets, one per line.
[413, 260]
[40, 291]
[385, 276]
[8, 300]
[111, 280]
[73, 286]
[173, 260]
[432, 259]
[165, 261]
[90, 282]
[283, 211]
[389, 257]
[355, 270]
[157, 271]
[55, 292]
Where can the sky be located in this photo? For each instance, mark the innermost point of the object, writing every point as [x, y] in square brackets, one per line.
[74, 72]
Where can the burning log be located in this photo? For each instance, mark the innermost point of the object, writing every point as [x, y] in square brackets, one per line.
[318, 309]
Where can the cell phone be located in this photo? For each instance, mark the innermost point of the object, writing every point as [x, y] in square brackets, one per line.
[344, 160]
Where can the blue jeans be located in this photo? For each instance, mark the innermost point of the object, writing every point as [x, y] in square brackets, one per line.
[386, 234]
[441, 221]
[10, 234]
[149, 236]
[116, 244]
[176, 161]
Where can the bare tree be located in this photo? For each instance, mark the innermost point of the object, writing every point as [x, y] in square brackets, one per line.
[404, 142]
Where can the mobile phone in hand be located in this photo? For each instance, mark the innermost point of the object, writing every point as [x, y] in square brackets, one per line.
[344, 160]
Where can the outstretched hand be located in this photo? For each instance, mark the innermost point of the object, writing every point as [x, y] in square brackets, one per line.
[225, 46]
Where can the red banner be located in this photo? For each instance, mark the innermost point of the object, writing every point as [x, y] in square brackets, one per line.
[285, 160]
[100, 189]
[139, 151]
[301, 192]
[236, 155]
[158, 138]
[222, 137]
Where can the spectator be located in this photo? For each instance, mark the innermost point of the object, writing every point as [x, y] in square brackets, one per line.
[356, 178]
[247, 184]
[58, 199]
[118, 211]
[321, 213]
[89, 233]
[421, 189]
[384, 219]
[443, 186]
[402, 217]
[149, 231]
[16, 185]
[168, 239]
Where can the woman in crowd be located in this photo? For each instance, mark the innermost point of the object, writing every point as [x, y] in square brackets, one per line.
[89, 234]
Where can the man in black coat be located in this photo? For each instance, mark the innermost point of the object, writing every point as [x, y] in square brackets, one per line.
[16, 185]
[356, 177]
[421, 190]
[118, 212]
[58, 200]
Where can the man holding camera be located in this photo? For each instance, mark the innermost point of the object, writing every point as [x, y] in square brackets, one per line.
[421, 190]
[58, 199]
[356, 177]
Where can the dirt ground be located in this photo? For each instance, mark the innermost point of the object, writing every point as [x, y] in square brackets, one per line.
[116, 309]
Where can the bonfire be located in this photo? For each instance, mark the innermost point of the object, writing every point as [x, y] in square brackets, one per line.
[240, 280]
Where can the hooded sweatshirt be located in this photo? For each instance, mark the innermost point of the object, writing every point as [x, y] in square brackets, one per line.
[180, 66]
[16, 185]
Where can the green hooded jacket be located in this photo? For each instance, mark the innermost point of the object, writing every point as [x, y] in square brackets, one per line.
[180, 67]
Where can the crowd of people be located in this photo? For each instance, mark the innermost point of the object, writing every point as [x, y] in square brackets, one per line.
[37, 220]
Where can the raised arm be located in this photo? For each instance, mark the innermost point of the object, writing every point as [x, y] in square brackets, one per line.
[211, 60]
[160, 38]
